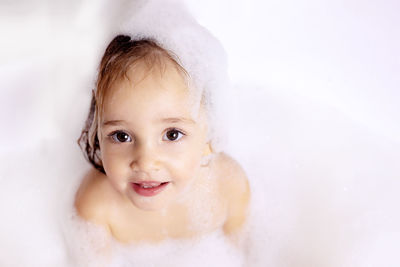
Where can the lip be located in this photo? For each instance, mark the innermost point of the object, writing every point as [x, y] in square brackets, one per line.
[154, 188]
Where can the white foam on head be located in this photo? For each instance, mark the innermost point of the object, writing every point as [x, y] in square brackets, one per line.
[170, 24]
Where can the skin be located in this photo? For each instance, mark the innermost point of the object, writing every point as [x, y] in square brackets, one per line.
[140, 116]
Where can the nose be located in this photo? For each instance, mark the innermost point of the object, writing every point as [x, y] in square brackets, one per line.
[145, 158]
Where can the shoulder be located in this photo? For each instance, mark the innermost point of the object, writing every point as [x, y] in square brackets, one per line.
[230, 169]
[232, 176]
[235, 189]
[91, 198]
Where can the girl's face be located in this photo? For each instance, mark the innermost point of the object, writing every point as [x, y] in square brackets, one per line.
[151, 144]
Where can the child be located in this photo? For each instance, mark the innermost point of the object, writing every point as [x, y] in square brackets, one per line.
[156, 174]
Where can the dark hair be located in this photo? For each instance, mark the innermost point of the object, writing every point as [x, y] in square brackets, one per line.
[121, 54]
[91, 151]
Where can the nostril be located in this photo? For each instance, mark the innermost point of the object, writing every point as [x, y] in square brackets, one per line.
[145, 164]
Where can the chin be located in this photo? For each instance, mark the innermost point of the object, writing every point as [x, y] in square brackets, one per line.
[149, 204]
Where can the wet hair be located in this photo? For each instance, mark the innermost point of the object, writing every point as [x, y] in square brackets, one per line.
[120, 55]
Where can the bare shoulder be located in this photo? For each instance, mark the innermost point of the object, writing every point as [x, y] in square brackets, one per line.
[235, 189]
[91, 198]
[231, 172]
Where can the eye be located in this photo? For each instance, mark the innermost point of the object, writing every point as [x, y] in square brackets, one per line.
[120, 137]
[173, 135]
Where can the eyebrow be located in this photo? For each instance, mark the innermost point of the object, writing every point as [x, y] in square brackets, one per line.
[164, 120]
[177, 120]
[113, 122]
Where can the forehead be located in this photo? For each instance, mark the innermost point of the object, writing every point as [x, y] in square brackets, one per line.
[158, 88]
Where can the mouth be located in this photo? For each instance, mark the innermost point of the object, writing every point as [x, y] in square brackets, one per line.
[149, 188]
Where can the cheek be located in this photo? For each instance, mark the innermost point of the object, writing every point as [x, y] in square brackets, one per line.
[114, 171]
[186, 159]
[113, 161]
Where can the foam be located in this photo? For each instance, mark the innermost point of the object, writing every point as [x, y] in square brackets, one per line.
[88, 247]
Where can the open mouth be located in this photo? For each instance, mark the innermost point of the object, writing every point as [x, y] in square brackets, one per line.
[149, 189]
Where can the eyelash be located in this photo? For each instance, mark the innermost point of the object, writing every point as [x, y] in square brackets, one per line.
[174, 129]
[115, 139]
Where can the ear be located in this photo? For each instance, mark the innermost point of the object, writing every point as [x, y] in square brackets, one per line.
[207, 149]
